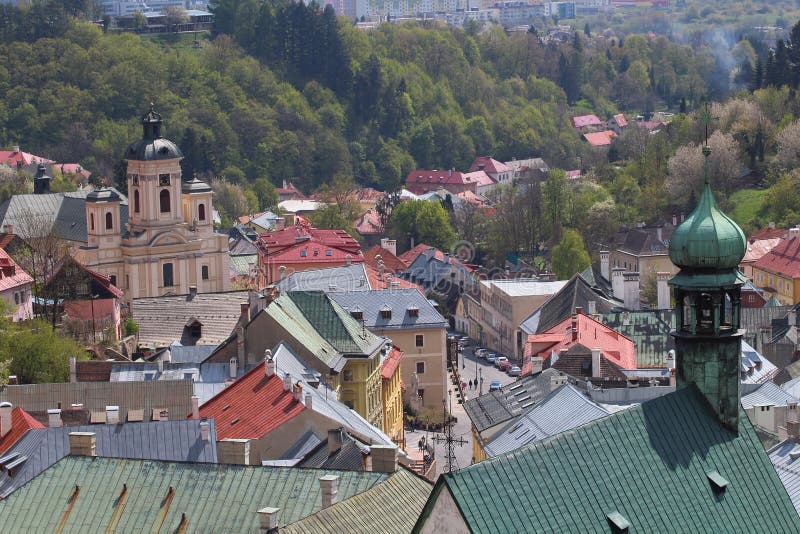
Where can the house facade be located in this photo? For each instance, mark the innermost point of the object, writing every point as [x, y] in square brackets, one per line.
[778, 271]
[15, 288]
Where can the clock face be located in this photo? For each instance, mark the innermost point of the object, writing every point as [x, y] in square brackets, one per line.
[163, 179]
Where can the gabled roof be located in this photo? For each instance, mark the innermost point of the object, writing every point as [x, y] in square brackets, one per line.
[21, 422]
[563, 409]
[783, 259]
[398, 302]
[489, 165]
[480, 178]
[603, 138]
[582, 121]
[766, 393]
[391, 506]
[391, 262]
[14, 157]
[410, 255]
[206, 497]
[621, 120]
[299, 243]
[645, 242]
[784, 458]
[523, 287]
[768, 232]
[295, 205]
[757, 248]
[655, 465]
[101, 286]
[11, 274]
[351, 277]
[162, 440]
[368, 224]
[349, 456]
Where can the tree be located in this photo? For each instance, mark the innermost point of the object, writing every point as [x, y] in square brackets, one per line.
[569, 256]
[788, 143]
[331, 217]
[554, 196]
[423, 222]
[175, 16]
[686, 172]
[265, 192]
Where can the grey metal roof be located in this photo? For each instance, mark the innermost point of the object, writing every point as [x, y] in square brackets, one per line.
[351, 277]
[189, 354]
[166, 440]
[162, 320]
[766, 393]
[349, 457]
[497, 407]
[788, 468]
[792, 387]
[564, 409]
[399, 301]
[302, 447]
[153, 149]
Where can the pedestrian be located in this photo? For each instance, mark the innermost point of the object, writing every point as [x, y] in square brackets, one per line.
[419, 444]
[470, 383]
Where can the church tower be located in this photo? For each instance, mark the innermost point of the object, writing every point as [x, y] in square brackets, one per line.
[708, 247]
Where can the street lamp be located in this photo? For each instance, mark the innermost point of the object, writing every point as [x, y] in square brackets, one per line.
[480, 381]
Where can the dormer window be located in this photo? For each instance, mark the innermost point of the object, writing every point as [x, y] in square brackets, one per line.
[357, 314]
[386, 312]
[303, 253]
[329, 252]
[413, 311]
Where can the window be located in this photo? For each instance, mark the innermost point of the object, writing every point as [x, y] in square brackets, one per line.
[357, 314]
[188, 376]
[348, 403]
[163, 179]
[751, 298]
[201, 212]
[413, 312]
[109, 221]
[347, 375]
[328, 252]
[163, 198]
[420, 340]
[113, 279]
[135, 178]
[204, 272]
[303, 253]
[421, 394]
[386, 313]
[166, 272]
[136, 207]
[420, 368]
[91, 221]
[16, 298]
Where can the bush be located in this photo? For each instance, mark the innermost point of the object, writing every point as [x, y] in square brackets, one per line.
[131, 328]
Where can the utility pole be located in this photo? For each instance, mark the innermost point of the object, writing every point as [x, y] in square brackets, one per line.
[480, 381]
[448, 440]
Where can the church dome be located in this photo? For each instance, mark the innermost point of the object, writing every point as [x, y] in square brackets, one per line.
[707, 239]
[152, 146]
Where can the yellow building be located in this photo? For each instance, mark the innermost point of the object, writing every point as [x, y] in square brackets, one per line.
[392, 391]
[778, 271]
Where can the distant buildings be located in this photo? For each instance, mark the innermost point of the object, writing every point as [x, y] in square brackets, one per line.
[15, 288]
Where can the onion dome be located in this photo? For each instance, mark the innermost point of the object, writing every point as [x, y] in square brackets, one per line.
[103, 194]
[152, 146]
[707, 239]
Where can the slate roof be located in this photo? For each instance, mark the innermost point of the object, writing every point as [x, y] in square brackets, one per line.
[163, 440]
[162, 320]
[351, 277]
[788, 468]
[766, 393]
[391, 506]
[645, 242]
[792, 387]
[497, 407]
[209, 497]
[563, 409]
[21, 422]
[650, 463]
[783, 259]
[398, 302]
[349, 457]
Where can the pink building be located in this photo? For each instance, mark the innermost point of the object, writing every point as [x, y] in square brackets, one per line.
[15, 288]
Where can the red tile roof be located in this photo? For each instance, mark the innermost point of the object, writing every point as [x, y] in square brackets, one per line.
[783, 259]
[488, 164]
[410, 255]
[480, 178]
[600, 138]
[21, 422]
[757, 248]
[376, 282]
[390, 261]
[391, 363]
[769, 233]
[251, 407]
[582, 121]
[11, 275]
[73, 168]
[301, 243]
[12, 158]
[369, 223]
[621, 120]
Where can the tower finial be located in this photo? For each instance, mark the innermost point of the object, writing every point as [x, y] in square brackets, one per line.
[706, 118]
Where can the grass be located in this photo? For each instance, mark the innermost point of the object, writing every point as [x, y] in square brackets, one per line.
[746, 204]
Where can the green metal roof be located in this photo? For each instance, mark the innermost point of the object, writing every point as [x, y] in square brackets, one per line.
[214, 498]
[392, 506]
[648, 465]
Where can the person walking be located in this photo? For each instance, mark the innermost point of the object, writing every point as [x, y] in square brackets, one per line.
[470, 383]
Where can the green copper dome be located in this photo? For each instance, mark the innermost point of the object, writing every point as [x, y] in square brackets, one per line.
[707, 239]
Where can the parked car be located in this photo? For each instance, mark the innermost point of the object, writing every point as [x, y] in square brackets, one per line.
[491, 357]
[505, 365]
[464, 341]
[499, 361]
[514, 370]
[481, 352]
[495, 385]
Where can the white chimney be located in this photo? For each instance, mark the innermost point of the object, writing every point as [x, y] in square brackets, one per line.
[384, 458]
[205, 430]
[617, 283]
[167, 357]
[389, 244]
[674, 220]
[794, 232]
[82, 444]
[73, 373]
[268, 520]
[348, 259]
[160, 364]
[233, 367]
[308, 401]
[557, 381]
[596, 362]
[112, 415]
[329, 485]
[269, 363]
[631, 288]
[54, 418]
[671, 359]
[662, 287]
[591, 307]
[605, 264]
[195, 407]
[282, 271]
[792, 317]
[16, 148]
[287, 382]
[771, 225]
[659, 235]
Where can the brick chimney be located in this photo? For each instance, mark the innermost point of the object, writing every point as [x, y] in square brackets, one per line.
[54, 418]
[329, 485]
[5, 418]
[82, 444]
[268, 520]
[195, 407]
[297, 391]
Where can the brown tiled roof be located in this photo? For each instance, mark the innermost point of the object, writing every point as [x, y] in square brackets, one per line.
[93, 371]
[390, 261]
[68, 417]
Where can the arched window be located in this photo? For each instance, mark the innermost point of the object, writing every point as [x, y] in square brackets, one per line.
[91, 221]
[166, 272]
[136, 201]
[163, 198]
[201, 212]
[109, 221]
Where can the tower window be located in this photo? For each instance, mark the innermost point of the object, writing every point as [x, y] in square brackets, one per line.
[164, 202]
[91, 221]
[113, 279]
[166, 271]
[109, 221]
[204, 272]
[201, 212]
[136, 201]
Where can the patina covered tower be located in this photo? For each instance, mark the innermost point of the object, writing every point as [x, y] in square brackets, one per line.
[708, 247]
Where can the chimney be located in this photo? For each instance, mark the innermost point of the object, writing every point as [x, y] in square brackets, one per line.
[771, 225]
[631, 288]
[82, 444]
[605, 259]
[233, 451]
[73, 372]
[269, 363]
[112, 415]
[192, 292]
[297, 391]
[268, 520]
[794, 232]
[329, 485]
[5, 418]
[308, 400]
[54, 418]
[596, 362]
[287, 382]
[662, 287]
[556, 381]
[617, 283]
[348, 259]
[160, 364]
[389, 244]
[682, 216]
[384, 458]
[233, 367]
[792, 317]
[591, 307]
[574, 328]
[793, 429]
[244, 308]
[15, 148]
[205, 430]
[167, 357]
[281, 272]
[674, 220]
[41, 182]
[578, 310]
[334, 441]
[195, 407]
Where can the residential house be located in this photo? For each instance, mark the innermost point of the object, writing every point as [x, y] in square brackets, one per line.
[422, 181]
[288, 192]
[415, 326]
[301, 248]
[353, 277]
[778, 271]
[15, 288]
[91, 302]
[18, 159]
[528, 170]
[586, 123]
[600, 139]
[369, 227]
[784, 459]
[759, 245]
[769, 407]
[642, 250]
[618, 123]
[193, 319]
[392, 395]
[501, 173]
[439, 274]
[385, 253]
[263, 222]
[753, 297]
[504, 304]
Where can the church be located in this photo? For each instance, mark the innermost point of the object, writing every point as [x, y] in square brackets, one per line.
[163, 241]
